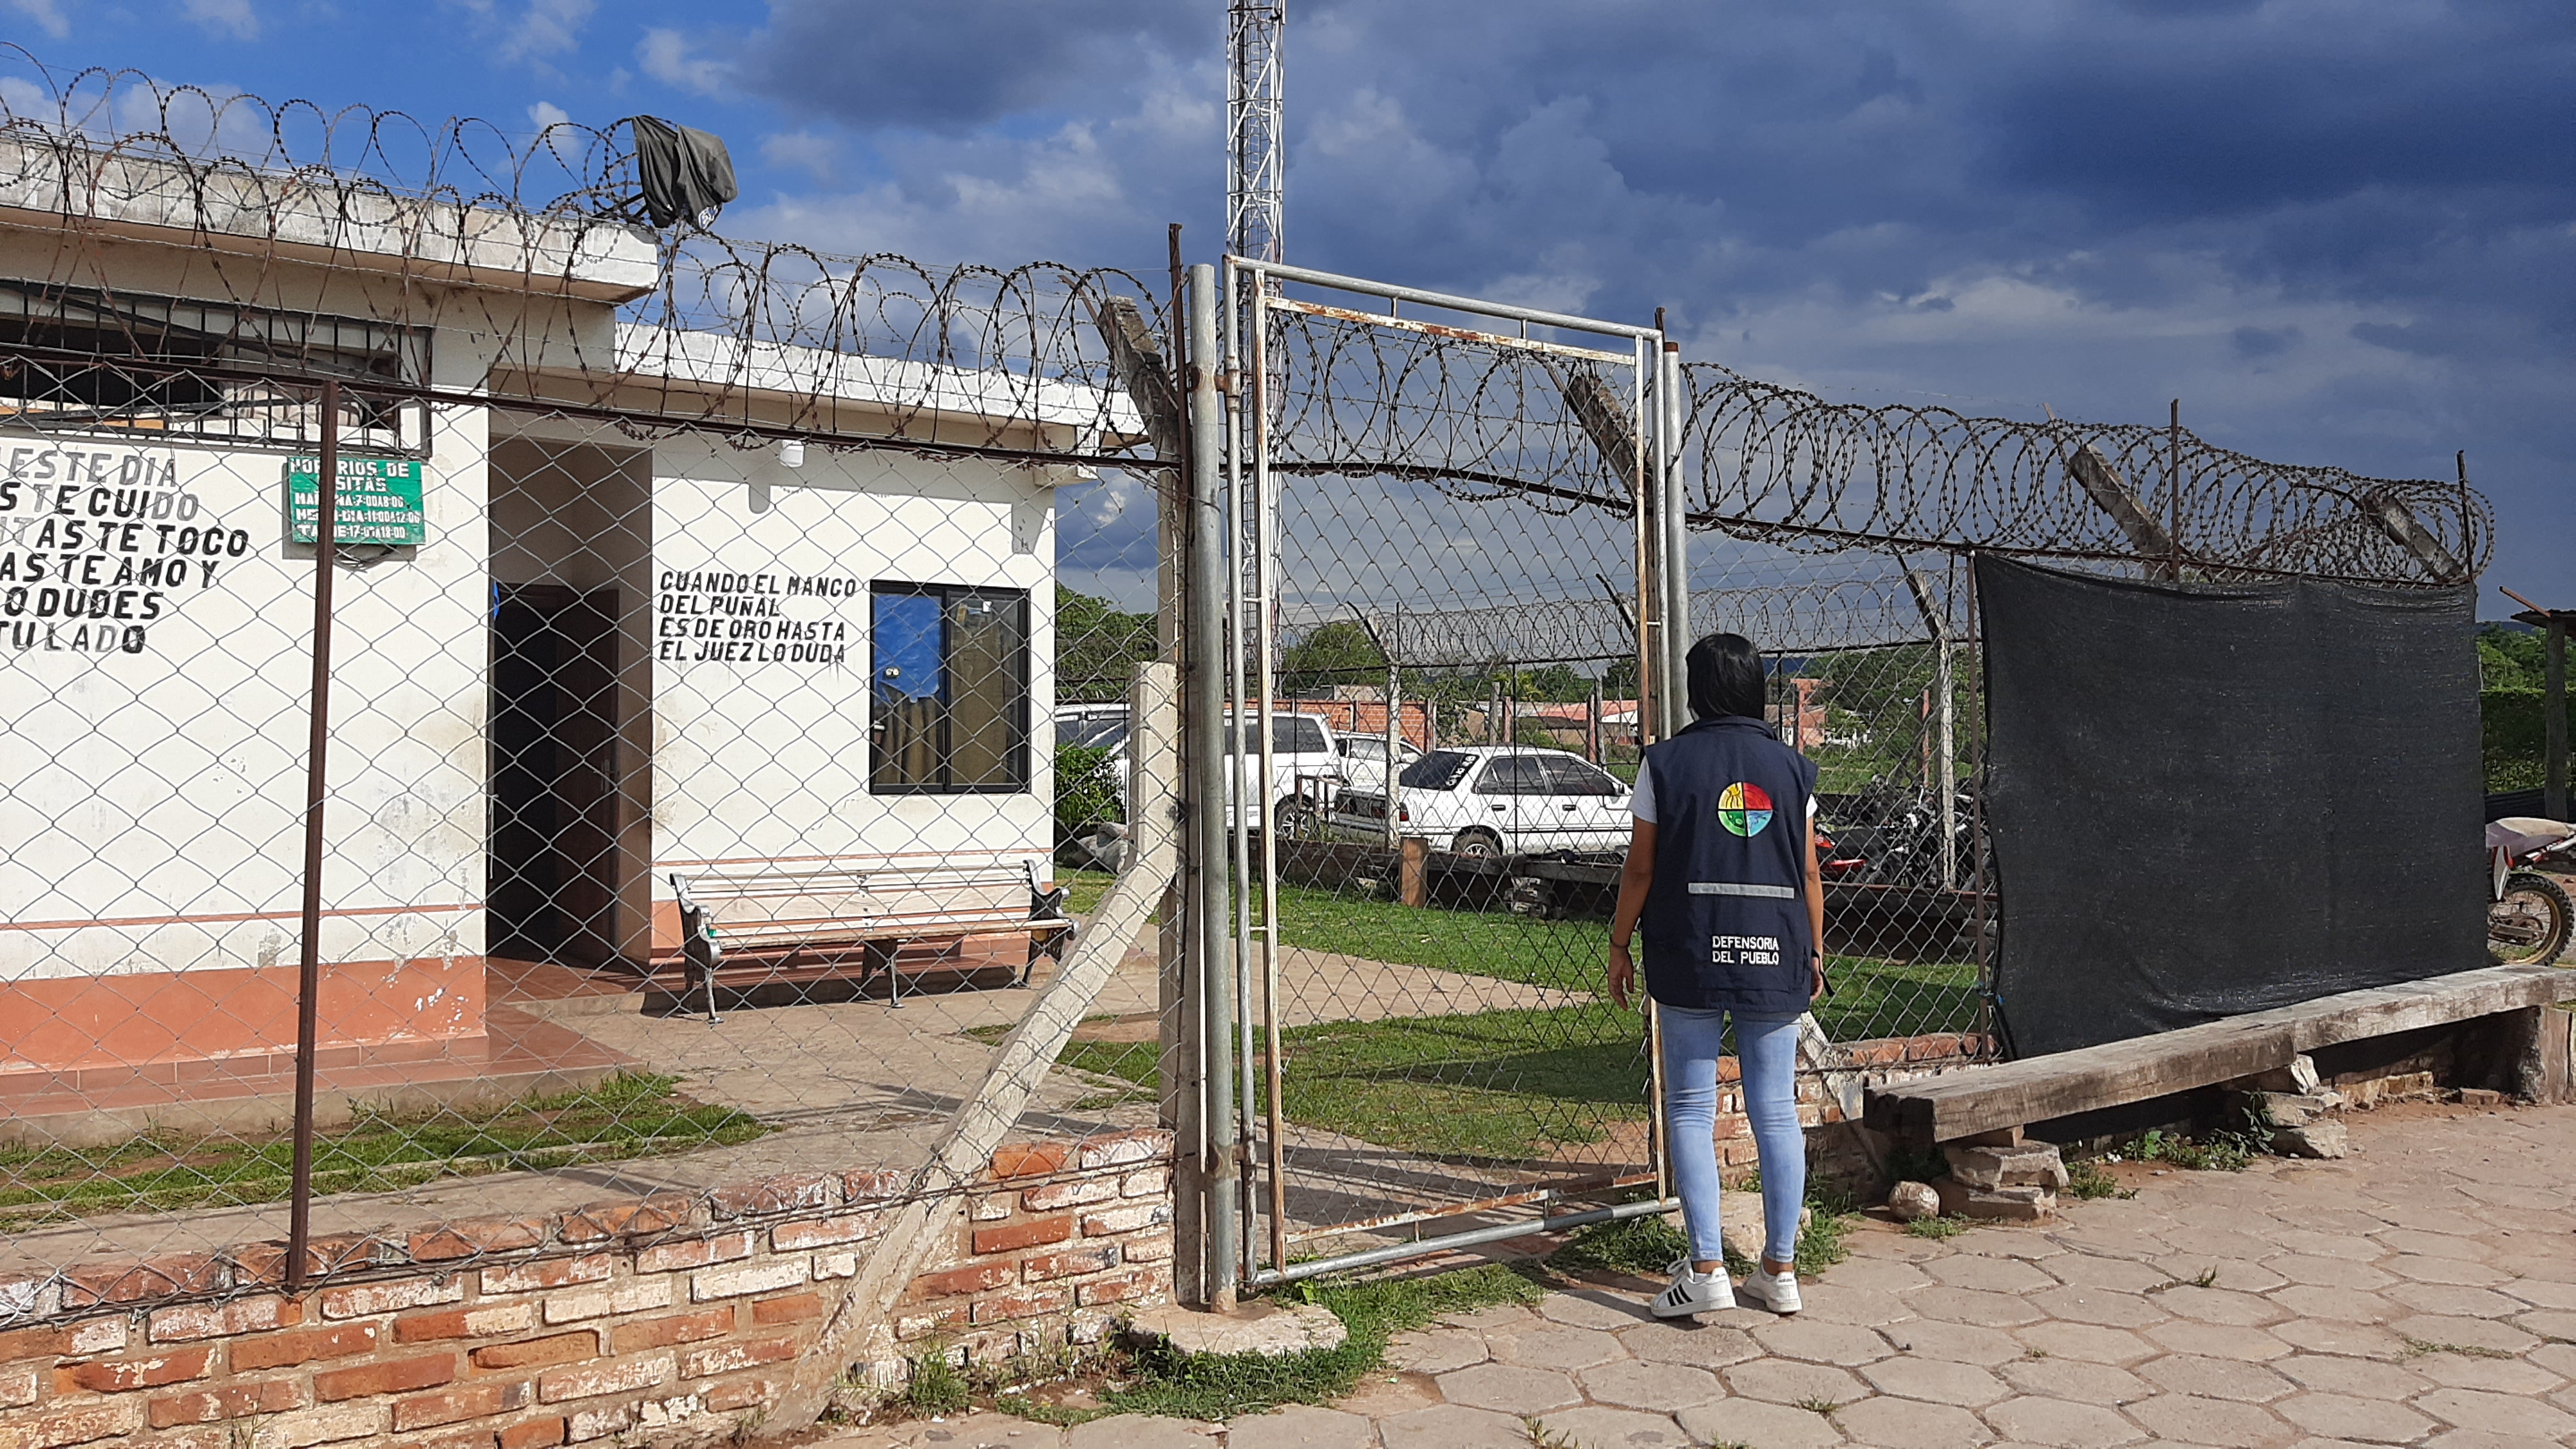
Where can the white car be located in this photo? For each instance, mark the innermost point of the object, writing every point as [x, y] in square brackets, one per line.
[1490, 801]
[1306, 763]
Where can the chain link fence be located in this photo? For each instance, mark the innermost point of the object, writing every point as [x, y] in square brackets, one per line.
[713, 741]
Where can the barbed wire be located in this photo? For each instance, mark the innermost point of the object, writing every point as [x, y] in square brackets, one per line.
[1789, 468]
[710, 330]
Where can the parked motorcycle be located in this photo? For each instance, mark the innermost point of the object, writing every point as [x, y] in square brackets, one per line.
[2530, 918]
[1892, 836]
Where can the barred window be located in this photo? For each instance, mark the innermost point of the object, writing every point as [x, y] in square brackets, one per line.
[82, 361]
[951, 690]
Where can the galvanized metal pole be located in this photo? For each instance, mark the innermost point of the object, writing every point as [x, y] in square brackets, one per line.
[1671, 417]
[1213, 981]
[308, 977]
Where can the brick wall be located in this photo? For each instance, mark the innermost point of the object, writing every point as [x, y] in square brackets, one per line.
[670, 1319]
[1829, 1096]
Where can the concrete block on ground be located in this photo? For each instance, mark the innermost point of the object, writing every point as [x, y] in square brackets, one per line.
[2029, 1164]
[2025, 1203]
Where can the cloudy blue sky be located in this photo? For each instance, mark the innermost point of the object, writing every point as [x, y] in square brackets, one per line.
[2340, 232]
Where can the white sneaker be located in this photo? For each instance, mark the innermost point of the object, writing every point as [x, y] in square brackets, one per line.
[1775, 1291]
[1693, 1292]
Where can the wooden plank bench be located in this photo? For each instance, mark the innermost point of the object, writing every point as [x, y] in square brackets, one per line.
[744, 926]
[2037, 1089]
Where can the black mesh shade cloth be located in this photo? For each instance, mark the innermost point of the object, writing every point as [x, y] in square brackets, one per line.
[2209, 800]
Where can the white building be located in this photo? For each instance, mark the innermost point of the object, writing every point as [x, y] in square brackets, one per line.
[615, 650]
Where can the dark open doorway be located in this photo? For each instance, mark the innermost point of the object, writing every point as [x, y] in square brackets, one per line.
[553, 846]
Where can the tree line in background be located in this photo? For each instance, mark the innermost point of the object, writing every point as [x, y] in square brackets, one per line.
[2510, 668]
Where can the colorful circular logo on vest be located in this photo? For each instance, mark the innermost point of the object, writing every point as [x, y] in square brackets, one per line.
[1744, 808]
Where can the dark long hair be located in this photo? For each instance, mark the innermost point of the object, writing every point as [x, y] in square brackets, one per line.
[1725, 675]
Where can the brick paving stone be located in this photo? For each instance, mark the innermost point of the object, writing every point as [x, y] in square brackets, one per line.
[2216, 1378]
[1831, 1302]
[2088, 1341]
[2466, 1332]
[2077, 1382]
[2011, 1240]
[1707, 1345]
[1902, 1424]
[2221, 1305]
[2453, 1300]
[1877, 1275]
[2219, 1422]
[2497, 1413]
[2494, 1375]
[1994, 1275]
[1972, 1305]
[2541, 1292]
[1600, 1428]
[2349, 1416]
[1301, 1426]
[1661, 1387]
[2481, 1439]
[2345, 1247]
[2356, 1377]
[2550, 1323]
[2119, 1275]
[2329, 1272]
[1509, 1388]
[2426, 1269]
[1438, 1350]
[2433, 1245]
[1835, 1343]
[1138, 1431]
[1936, 1381]
[2326, 1335]
[1959, 1342]
[1779, 1381]
[2096, 1305]
[2245, 1275]
[1755, 1424]
[1500, 1316]
[2218, 1340]
[2349, 1305]
[2059, 1424]
[1452, 1426]
[1554, 1345]
[1383, 1396]
[1599, 1308]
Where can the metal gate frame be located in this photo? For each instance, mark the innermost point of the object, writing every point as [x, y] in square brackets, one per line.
[1660, 610]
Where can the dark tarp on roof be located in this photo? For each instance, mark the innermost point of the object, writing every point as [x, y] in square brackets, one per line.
[686, 173]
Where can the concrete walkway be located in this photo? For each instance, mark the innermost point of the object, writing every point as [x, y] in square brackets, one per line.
[2422, 1292]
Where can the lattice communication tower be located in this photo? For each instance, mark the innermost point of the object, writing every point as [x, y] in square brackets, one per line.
[1255, 167]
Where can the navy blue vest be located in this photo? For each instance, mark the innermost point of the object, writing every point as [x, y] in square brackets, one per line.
[1726, 923]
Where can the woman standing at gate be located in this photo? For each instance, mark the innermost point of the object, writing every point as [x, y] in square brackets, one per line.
[1721, 877]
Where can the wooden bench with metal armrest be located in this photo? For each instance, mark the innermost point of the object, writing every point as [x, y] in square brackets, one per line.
[751, 925]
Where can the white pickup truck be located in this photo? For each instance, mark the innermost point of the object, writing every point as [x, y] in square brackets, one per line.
[1307, 769]
[1306, 772]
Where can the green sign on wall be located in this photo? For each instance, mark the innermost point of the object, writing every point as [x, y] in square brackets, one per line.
[378, 501]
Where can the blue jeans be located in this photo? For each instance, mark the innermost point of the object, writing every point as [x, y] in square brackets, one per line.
[1767, 1052]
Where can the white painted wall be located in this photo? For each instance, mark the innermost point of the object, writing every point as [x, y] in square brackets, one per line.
[769, 760]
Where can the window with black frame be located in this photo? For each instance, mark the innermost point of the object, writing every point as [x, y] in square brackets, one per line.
[950, 695]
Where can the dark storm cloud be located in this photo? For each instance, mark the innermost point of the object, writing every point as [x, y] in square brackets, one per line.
[2343, 230]
[962, 62]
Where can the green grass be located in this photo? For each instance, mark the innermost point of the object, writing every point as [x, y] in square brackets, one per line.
[1873, 996]
[2218, 1152]
[2085, 1179]
[1645, 1247]
[1084, 889]
[630, 1115]
[1505, 1084]
[1938, 1228]
[1215, 1387]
